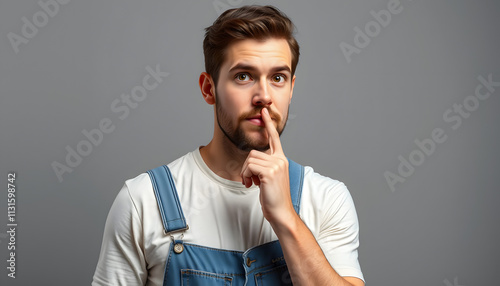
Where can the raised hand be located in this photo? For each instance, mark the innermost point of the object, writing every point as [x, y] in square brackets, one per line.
[270, 173]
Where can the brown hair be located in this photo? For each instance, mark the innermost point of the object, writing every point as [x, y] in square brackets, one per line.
[247, 22]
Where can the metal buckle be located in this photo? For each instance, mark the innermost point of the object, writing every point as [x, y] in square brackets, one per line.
[177, 230]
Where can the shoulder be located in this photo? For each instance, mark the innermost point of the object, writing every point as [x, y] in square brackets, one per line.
[322, 186]
[140, 189]
[138, 185]
[325, 201]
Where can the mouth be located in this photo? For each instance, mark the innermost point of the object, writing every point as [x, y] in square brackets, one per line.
[255, 120]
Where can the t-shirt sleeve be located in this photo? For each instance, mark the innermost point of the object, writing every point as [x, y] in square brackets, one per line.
[121, 260]
[339, 231]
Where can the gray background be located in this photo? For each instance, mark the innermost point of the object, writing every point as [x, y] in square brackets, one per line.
[349, 120]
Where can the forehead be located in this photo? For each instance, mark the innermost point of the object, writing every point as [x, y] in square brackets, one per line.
[258, 53]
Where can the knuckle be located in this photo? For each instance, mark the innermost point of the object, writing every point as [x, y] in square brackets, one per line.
[272, 172]
[250, 161]
[275, 169]
[283, 163]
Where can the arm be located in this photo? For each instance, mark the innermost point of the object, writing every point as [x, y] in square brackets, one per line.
[121, 261]
[305, 260]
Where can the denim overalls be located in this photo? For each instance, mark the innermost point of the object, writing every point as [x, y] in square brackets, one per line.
[191, 264]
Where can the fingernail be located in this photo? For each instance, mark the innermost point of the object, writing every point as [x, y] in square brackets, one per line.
[266, 111]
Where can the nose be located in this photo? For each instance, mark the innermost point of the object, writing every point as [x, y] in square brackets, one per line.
[261, 96]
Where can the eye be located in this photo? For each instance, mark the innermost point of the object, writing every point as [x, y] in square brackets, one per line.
[242, 77]
[278, 78]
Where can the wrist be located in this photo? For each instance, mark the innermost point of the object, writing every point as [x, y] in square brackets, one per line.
[287, 225]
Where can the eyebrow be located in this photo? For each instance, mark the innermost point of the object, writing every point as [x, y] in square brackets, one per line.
[243, 66]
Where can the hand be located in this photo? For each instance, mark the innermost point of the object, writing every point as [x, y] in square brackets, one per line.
[270, 173]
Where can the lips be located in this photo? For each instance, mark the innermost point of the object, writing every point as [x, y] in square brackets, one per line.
[256, 120]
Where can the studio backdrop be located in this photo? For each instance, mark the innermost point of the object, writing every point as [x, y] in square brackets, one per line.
[398, 99]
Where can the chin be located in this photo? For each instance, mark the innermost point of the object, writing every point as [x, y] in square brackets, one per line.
[262, 149]
[262, 146]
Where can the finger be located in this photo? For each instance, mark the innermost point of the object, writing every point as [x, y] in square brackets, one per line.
[256, 180]
[247, 182]
[272, 133]
[254, 156]
[252, 174]
[247, 172]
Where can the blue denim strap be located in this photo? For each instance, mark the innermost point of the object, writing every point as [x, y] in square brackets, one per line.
[296, 175]
[167, 199]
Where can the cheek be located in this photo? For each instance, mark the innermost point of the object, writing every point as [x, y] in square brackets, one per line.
[233, 99]
[282, 103]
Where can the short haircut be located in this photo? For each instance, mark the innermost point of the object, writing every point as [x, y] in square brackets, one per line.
[247, 22]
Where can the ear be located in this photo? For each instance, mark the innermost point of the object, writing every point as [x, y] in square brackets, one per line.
[207, 88]
[291, 89]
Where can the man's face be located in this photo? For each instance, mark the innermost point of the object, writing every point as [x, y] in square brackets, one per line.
[254, 75]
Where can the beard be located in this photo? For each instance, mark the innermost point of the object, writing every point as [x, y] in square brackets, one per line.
[237, 135]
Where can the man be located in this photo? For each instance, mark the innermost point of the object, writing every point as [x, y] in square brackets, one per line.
[239, 222]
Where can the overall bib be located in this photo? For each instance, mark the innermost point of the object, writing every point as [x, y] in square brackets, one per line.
[191, 264]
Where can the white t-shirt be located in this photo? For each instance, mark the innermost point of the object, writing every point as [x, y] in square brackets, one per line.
[220, 214]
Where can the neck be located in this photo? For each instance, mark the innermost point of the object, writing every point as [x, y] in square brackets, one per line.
[223, 158]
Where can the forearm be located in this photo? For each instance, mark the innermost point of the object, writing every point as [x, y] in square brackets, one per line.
[305, 260]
